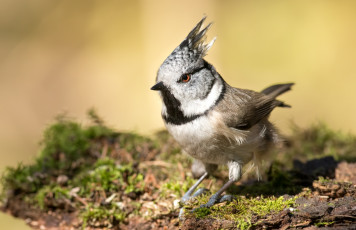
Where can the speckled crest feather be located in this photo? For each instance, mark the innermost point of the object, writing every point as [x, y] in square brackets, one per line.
[196, 41]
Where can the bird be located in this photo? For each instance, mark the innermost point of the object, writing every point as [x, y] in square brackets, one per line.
[213, 122]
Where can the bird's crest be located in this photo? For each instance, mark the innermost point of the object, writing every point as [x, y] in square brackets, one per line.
[189, 54]
[196, 40]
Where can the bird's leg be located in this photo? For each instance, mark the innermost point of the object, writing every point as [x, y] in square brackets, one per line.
[216, 198]
[234, 175]
[189, 193]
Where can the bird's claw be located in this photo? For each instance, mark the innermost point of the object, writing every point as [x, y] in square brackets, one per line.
[215, 199]
[227, 197]
[189, 196]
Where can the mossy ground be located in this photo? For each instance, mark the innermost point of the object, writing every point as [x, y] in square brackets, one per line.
[242, 210]
[106, 179]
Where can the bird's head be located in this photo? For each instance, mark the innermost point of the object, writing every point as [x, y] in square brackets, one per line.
[185, 79]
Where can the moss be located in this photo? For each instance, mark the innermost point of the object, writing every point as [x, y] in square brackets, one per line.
[67, 141]
[102, 216]
[131, 141]
[63, 143]
[177, 187]
[20, 179]
[244, 224]
[55, 192]
[202, 212]
[325, 180]
[108, 176]
[77, 152]
[70, 149]
[323, 223]
[171, 151]
[319, 140]
[135, 184]
[242, 210]
[111, 178]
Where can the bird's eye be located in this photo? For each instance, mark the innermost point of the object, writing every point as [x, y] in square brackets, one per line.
[186, 78]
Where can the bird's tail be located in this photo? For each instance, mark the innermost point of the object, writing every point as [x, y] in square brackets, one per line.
[276, 90]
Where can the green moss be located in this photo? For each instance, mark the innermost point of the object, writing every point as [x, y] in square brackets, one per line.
[268, 205]
[102, 216]
[134, 183]
[63, 147]
[244, 224]
[20, 179]
[131, 141]
[108, 176]
[76, 151]
[72, 150]
[63, 143]
[242, 210]
[319, 140]
[325, 180]
[171, 151]
[323, 223]
[55, 192]
[177, 187]
[202, 212]
[66, 141]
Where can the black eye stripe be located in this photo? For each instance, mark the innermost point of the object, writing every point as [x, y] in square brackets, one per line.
[205, 66]
[198, 70]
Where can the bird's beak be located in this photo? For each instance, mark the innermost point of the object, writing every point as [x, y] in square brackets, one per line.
[158, 86]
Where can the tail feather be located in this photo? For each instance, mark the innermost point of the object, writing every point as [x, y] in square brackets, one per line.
[276, 90]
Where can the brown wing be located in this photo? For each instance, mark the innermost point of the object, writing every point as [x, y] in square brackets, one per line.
[242, 109]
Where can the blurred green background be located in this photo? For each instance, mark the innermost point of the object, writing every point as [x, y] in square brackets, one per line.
[63, 55]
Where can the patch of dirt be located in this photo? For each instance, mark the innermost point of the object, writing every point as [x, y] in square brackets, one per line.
[346, 172]
[37, 219]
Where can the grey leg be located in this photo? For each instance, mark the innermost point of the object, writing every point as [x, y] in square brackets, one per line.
[189, 193]
[234, 175]
[214, 199]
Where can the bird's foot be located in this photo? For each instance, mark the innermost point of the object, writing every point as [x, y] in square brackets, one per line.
[227, 198]
[186, 197]
[216, 199]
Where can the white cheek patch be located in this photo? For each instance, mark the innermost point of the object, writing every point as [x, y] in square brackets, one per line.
[198, 106]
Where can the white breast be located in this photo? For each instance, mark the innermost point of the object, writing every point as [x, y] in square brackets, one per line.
[198, 138]
[192, 133]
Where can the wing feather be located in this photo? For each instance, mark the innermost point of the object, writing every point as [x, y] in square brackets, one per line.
[242, 109]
